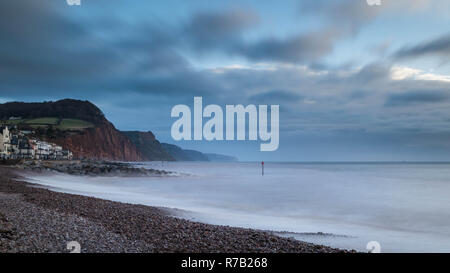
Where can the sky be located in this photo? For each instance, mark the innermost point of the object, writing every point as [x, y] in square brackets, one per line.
[354, 82]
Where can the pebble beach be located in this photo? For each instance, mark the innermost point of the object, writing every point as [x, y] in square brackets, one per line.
[36, 220]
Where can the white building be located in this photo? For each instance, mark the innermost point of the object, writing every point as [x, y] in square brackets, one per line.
[17, 145]
[5, 141]
[42, 150]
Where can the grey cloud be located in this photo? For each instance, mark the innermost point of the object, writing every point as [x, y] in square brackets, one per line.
[439, 47]
[345, 18]
[349, 15]
[344, 99]
[35, 20]
[417, 97]
[223, 32]
[187, 84]
[42, 43]
[301, 48]
[371, 73]
[211, 30]
[56, 54]
[275, 97]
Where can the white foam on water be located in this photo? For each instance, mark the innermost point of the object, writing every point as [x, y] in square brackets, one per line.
[405, 207]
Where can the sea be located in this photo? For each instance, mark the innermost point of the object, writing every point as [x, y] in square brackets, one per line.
[399, 207]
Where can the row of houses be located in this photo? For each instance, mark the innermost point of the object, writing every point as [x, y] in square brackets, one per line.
[17, 144]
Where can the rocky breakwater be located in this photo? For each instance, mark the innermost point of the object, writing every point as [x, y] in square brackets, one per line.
[91, 168]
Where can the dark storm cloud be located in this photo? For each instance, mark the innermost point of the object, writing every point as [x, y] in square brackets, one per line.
[344, 19]
[40, 48]
[439, 47]
[27, 20]
[417, 97]
[219, 29]
[55, 53]
[302, 48]
[59, 56]
[223, 32]
[46, 54]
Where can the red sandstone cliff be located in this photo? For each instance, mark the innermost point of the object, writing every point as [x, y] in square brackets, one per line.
[102, 142]
[148, 145]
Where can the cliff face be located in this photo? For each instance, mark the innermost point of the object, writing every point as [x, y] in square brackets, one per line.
[148, 145]
[180, 154]
[101, 142]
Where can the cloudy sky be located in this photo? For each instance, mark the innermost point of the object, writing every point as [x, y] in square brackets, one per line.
[353, 81]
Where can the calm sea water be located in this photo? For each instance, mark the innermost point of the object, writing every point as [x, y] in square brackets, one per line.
[405, 207]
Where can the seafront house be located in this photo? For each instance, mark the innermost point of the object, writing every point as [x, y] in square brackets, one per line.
[26, 150]
[16, 144]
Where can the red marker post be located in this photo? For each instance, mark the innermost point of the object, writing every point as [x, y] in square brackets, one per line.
[262, 166]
